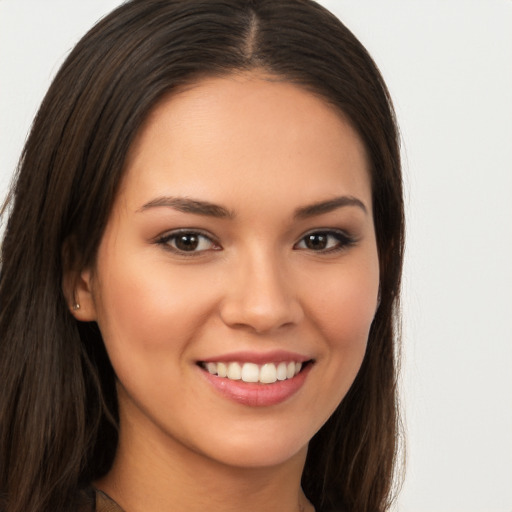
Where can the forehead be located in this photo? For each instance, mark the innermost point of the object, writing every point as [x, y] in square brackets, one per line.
[247, 130]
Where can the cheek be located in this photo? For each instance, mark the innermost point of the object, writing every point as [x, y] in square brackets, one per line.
[343, 310]
[147, 322]
[148, 309]
[345, 306]
[341, 313]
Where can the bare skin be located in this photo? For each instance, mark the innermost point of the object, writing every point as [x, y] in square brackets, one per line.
[243, 229]
[194, 484]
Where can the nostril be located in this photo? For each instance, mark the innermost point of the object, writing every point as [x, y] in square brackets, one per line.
[260, 316]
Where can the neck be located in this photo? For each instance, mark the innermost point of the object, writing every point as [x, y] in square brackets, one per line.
[164, 475]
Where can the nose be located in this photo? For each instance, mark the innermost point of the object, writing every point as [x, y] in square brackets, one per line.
[261, 296]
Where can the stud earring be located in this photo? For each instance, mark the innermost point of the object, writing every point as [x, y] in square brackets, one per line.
[76, 306]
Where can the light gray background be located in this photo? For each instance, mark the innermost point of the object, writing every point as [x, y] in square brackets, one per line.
[448, 65]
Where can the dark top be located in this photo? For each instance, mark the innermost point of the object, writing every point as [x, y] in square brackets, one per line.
[104, 503]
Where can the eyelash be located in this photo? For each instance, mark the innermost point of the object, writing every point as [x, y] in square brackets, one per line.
[342, 241]
[167, 239]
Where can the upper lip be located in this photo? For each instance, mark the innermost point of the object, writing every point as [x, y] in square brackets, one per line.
[275, 356]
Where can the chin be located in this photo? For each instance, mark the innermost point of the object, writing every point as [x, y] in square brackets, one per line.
[260, 456]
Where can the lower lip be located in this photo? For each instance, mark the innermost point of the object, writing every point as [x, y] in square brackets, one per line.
[258, 395]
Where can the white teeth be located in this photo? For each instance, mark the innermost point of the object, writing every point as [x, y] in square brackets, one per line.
[212, 367]
[222, 370]
[234, 371]
[281, 371]
[251, 372]
[268, 373]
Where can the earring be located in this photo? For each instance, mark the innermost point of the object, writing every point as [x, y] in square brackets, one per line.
[76, 306]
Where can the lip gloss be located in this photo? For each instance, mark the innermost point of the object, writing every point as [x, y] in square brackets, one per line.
[257, 394]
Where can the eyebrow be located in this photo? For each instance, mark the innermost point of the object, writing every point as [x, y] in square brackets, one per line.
[187, 205]
[328, 206]
[198, 207]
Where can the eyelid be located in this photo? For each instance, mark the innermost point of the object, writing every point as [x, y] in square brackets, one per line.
[345, 239]
[164, 239]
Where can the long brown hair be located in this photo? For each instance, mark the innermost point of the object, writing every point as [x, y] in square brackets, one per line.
[58, 409]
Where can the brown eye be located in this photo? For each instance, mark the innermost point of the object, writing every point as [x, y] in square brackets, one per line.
[187, 242]
[316, 241]
[325, 241]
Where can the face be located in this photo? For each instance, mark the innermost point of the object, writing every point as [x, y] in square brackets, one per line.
[237, 279]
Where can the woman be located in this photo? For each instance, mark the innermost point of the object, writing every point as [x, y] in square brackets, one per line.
[201, 269]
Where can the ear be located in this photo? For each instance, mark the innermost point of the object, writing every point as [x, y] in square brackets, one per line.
[78, 290]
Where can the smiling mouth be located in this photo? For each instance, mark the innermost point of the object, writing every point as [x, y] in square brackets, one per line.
[267, 373]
